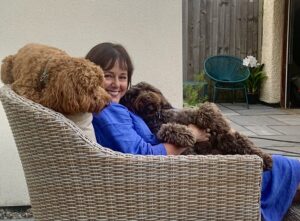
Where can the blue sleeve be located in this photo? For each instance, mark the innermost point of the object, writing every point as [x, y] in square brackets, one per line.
[279, 187]
[115, 128]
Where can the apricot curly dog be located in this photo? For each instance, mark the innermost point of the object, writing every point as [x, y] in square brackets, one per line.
[52, 78]
[170, 125]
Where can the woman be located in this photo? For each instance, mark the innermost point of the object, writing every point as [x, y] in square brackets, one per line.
[119, 129]
[116, 127]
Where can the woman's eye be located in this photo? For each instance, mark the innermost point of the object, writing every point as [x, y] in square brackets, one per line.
[123, 77]
[108, 76]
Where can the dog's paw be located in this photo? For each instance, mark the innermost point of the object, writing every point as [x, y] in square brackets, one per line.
[176, 134]
[209, 115]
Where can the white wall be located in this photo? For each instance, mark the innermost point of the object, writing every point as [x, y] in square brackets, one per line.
[149, 29]
[272, 50]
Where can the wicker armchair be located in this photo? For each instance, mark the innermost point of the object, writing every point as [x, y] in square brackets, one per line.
[70, 177]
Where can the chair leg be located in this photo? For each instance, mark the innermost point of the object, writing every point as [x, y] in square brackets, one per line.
[215, 94]
[233, 96]
[245, 91]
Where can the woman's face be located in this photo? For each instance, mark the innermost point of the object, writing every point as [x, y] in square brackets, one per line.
[116, 82]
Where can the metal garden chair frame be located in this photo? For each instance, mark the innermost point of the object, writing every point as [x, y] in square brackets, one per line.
[227, 73]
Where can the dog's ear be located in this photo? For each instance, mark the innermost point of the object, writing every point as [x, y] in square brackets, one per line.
[74, 86]
[6, 70]
[130, 97]
[144, 86]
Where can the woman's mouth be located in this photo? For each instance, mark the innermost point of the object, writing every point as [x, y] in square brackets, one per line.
[113, 93]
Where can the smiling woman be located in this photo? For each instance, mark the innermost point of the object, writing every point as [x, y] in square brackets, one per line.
[115, 126]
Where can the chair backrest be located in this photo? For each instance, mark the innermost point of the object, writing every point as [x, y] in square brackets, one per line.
[70, 177]
[226, 69]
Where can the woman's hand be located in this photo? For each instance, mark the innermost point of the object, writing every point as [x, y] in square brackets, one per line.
[174, 150]
[200, 134]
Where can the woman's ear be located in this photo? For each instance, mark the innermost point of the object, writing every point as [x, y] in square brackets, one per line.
[6, 70]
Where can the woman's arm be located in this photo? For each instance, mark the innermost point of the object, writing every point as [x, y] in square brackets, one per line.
[124, 138]
[119, 130]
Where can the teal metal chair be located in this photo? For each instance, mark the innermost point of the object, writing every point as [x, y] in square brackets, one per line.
[227, 73]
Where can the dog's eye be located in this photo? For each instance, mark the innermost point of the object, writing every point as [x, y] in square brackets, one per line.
[151, 109]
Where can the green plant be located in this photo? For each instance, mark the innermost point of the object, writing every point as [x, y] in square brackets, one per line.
[190, 95]
[195, 91]
[257, 74]
[255, 80]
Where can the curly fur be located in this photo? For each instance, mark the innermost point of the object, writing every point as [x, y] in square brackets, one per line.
[72, 85]
[170, 125]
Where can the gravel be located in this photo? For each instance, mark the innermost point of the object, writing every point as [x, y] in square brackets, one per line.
[7, 213]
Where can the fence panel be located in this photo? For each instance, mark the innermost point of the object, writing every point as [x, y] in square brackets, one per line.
[219, 27]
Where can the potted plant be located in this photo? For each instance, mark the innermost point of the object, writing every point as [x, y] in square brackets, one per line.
[255, 80]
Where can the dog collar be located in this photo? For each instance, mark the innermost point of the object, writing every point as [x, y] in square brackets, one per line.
[44, 77]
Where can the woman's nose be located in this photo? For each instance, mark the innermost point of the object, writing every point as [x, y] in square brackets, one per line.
[116, 82]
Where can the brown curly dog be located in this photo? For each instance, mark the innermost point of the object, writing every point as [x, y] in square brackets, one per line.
[49, 76]
[170, 125]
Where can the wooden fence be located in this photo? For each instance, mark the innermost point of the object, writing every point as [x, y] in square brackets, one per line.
[212, 27]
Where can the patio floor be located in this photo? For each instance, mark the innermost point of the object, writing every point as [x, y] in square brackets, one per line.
[275, 130]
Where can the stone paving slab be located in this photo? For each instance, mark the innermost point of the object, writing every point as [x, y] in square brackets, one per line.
[241, 129]
[242, 106]
[255, 120]
[294, 139]
[279, 152]
[273, 143]
[279, 126]
[256, 112]
[273, 147]
[263, 130]
[222, 107]
[287, 130]
[235, 106]
[292, 111]
[290, 119]
[226, 111]
[288, 151]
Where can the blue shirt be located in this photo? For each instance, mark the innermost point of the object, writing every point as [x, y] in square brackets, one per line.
[121, 130]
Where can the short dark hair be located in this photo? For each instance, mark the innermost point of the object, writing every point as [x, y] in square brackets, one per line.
[106, 54]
